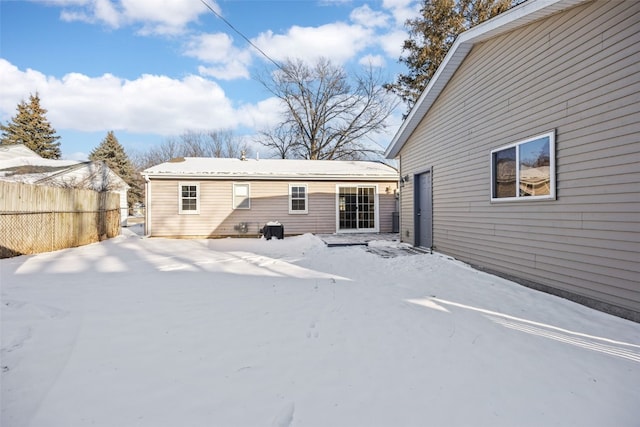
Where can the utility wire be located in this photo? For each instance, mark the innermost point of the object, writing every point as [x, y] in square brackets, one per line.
[242, 35]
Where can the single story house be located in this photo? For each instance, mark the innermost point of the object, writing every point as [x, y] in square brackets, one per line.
[21, 164]
[217, 197]
[522, 155]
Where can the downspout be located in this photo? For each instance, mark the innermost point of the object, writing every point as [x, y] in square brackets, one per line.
[400, 193]
[147, 205]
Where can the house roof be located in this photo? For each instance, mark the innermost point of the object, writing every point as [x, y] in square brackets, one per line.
[12, 151]
[519, 16]
[20, 164]
[216, 168]
[94, 175]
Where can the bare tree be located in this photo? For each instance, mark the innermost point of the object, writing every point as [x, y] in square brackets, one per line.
[328, 115]
[191, 144]
[225, 144]
[280, 139]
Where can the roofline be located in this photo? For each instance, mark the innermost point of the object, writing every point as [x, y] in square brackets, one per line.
[266, 177]
[521, 15]
[78, 166]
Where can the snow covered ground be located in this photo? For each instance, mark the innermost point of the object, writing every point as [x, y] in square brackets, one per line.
[249, 332]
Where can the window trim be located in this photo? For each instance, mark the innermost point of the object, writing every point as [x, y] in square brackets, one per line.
[180, 198]
[552, 170]
[235, 205]
[306, 199]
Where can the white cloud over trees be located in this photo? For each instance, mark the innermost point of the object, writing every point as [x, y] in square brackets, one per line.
[149, 104]
[162, 105]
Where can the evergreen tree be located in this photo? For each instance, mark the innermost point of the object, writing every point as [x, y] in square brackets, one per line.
[31, 128]
[112, 152]
[432, 34]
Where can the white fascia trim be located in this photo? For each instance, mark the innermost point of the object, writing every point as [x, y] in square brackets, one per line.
[521, 15]
[232, 177]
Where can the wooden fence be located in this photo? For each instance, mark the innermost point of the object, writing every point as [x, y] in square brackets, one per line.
[36, 219]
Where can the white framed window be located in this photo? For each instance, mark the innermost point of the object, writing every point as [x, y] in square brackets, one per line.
[241, 196]
[525, 170]
[188, 198]
[298, 199]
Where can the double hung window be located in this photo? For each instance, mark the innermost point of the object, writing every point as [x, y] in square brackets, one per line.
[189, 198]
[298, 199]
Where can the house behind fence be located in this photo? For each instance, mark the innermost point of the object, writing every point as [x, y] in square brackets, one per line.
[36, 219]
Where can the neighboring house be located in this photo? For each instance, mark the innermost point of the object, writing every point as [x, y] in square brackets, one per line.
[212, 197]
[522, 156]
[20, 164]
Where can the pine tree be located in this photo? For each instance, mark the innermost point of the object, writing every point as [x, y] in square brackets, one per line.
[31, 128]
[432, 34]
[112, 152]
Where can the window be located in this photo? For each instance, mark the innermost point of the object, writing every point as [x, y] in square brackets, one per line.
[298, 199]
[241, 199]
[525, 170]
[189, 202]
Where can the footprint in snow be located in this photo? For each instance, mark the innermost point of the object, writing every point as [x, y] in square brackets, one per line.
[315, 333]
[285, 416]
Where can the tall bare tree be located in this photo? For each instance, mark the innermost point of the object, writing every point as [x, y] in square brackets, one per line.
[328, 114]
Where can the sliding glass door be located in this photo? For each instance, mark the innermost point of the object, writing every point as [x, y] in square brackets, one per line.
[357, 208]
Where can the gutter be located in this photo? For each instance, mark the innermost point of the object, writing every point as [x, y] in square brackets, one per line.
[292, 177]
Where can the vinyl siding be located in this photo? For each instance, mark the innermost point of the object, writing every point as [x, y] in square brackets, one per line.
[269, 202]
[577, 73]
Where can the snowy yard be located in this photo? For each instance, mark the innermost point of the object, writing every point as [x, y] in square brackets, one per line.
[249, 332]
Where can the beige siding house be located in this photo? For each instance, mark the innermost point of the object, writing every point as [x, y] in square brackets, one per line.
[522, 156]
[210, 197]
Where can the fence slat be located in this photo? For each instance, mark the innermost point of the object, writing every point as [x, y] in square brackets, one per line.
[36, 219]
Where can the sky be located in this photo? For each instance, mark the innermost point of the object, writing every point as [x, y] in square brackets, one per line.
[135, 331]
[150, 70]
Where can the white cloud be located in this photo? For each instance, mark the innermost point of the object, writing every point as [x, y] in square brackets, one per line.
[107, 13]
[372, 60]
[402, 9]
[369, 18]
[149, 104]
[263, 115]
[338, 42]
[223, 60]
[156, 17]
[392, 43]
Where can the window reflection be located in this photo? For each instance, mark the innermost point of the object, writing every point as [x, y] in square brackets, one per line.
[535, 178]
[524, 170]
[505, 173]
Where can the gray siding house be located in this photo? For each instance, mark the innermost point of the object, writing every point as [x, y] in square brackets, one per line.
[522, 156]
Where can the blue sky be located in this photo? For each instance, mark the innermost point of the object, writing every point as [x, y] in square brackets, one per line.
[150, 70]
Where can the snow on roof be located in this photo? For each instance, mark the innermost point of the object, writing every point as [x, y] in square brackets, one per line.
[35, 161]
[16, 150]
[523, 14]
[30, 169]
[36, 170]
[217, 168]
